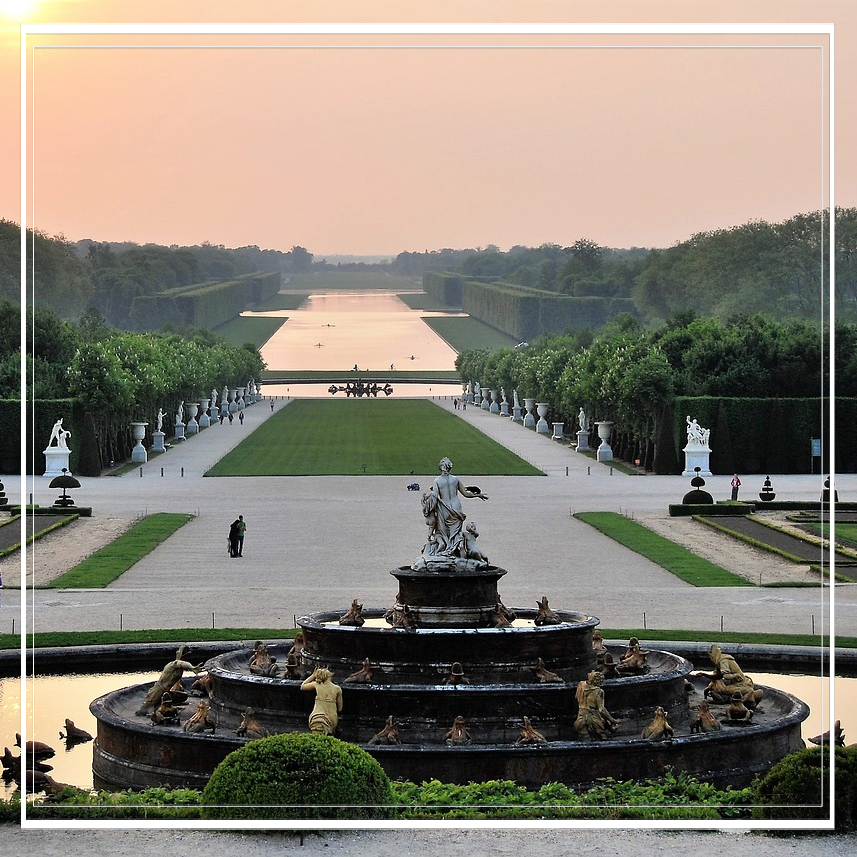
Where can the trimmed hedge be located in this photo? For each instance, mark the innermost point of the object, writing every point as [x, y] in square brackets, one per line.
[796, 788]
[298, 776]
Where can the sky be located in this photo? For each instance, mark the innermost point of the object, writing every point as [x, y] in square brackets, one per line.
[370, 143]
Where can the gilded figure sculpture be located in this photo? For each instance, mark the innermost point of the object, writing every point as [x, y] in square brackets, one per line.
[324, 717]
[728, 678]
[529, 734]
[201, 720]
[458, 735]
[171, 673]
[659, 729]
[593, 721]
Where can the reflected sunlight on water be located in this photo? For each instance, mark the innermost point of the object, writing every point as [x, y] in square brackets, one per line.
[373, 330]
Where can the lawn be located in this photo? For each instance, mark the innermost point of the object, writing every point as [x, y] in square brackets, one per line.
[674, 558]
[467, 333]
[108, 563]
[377, 437]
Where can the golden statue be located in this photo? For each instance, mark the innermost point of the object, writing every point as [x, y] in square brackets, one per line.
[324, 717]
[593, 719]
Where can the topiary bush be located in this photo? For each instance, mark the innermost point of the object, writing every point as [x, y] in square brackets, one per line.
[297, 776]
[797, 788]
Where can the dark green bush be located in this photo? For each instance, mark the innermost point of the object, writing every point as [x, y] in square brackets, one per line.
[297, 776]
[797, 788]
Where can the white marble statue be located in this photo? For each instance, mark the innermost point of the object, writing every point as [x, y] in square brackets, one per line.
[696, 434]
[161, 416]
[180, 413]
[583, 420]
[59, 436]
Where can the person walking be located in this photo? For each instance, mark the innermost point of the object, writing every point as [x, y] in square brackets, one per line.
[230, 418]
[233, 537]
[241, 417]
[272, 406]
[736, 484]
[242, 528]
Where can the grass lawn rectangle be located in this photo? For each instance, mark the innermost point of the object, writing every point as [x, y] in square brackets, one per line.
[674, 558]
[108, 563]
[378, 437]
[463, 333]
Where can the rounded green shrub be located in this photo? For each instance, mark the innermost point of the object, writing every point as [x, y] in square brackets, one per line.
[297, 776]
[797, 788]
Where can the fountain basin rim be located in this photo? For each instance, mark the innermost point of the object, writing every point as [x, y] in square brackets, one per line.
[327, 621]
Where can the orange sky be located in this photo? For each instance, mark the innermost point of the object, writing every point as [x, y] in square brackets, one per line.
[368, 144]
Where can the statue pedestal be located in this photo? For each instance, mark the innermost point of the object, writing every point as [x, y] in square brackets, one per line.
[56, 458]
[516, 414]
[583, 441]
[158, 441]
[179, 435]
[696, 455]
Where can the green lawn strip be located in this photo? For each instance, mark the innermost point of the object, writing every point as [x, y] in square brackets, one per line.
[846, 534]
[377, 437]
[256, 330]
[462, 334]
[208, 635]
[674, 558]
[108, 563]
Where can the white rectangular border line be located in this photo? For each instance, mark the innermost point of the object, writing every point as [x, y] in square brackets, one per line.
[430, 29]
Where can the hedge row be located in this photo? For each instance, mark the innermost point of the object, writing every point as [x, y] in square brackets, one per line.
[768, 435]
[204, 304]
[444, 288]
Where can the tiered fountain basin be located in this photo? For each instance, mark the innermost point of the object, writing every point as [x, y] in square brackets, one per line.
[409, 682]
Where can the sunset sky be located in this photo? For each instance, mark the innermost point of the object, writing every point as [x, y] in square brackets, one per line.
[374, 144]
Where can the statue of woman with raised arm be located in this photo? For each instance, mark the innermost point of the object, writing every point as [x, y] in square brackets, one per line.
[442, 508]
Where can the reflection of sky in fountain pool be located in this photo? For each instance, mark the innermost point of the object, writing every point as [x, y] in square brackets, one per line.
[334, 331]
[53, 698]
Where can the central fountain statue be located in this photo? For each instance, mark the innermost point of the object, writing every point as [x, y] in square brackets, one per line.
[534, 695]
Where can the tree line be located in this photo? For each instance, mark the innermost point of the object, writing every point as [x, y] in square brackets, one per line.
[629, 374]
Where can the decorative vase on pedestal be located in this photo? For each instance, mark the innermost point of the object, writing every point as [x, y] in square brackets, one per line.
[241, 403]
[485, 404]
[192, 426]
[494, 408]
[204, 421]
[529, 419]
[604, 451]
[233, 400]
[138, 453]
[542, 426]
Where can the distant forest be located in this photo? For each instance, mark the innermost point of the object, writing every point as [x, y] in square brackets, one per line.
[778, 269]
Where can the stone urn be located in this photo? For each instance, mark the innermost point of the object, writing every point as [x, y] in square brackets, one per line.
[604, 451]
[241, 402]
[192, 426]
[529, 419]
[495, 402]
[485, 404]
[542, 426]
[233, 400]
[204, 421]
[138, 453]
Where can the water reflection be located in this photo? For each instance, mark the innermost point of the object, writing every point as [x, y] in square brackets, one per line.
[53, 698]
[50, 700]
[371, 330]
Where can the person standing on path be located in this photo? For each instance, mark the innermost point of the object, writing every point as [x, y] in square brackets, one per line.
[233, 537]
[736, 484]
[241, 527]
[241, 417]
[230, 418]
[272, 406]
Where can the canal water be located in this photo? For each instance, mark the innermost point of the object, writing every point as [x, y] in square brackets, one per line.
[53, 698]
[374, 331]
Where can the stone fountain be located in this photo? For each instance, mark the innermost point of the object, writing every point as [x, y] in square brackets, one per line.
[449, 683]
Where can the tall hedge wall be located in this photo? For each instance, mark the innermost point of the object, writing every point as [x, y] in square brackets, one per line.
[768, 435]
[526, 313]
[43, 414]
[443, 287]
[204, 304]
